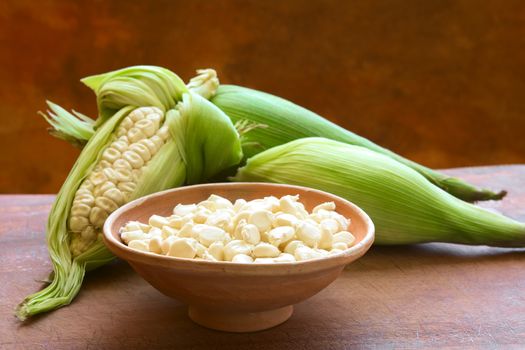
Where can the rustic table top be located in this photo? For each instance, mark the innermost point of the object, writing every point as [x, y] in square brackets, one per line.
[423, 296]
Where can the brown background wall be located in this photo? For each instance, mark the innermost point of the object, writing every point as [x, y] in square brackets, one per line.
[441, 82]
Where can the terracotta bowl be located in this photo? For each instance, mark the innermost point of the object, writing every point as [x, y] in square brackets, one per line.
[230, 296]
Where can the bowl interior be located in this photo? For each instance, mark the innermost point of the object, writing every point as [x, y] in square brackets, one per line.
[162, 203]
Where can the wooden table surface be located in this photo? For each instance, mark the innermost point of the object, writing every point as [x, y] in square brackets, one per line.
[424, 296]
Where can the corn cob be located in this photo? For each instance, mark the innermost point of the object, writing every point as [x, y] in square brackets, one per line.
[285, 121]
[404, 207]
[135, 151]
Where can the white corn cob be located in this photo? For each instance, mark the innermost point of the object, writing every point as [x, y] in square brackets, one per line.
[113, 179]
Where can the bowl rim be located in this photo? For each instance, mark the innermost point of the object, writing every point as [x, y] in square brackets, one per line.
[124, 252]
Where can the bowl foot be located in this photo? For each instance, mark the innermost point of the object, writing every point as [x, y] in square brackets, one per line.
[230, 321]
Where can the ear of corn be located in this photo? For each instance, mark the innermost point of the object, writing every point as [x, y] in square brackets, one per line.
[404, 206]
[286, 121]
[134, 152]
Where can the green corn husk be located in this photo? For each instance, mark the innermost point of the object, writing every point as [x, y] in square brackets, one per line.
[404, 207]
[135, 86]
[286, 121]
[203, 143]
[74, 128]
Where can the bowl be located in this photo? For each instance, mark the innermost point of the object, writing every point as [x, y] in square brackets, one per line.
[230, 296]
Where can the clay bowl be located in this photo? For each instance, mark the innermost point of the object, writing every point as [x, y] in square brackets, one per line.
[230, 296]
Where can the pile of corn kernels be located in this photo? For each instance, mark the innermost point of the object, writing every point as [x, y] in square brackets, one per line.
[267, 230]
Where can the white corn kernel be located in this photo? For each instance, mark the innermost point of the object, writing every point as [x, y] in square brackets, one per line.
[292, 246]
[187, 230]
[155, 231]
[239, 203]
[341, 220]
[265, 250]
[329, 225]
[216, 249]
[175, 222]
[164, 132]
[141, 150]
[142, 245]
[181, 209]
[155, 244]
[97, 216]
[242, 259]
[129, 236]
[168, 231]
[115, 195]
[306, 253]
[119, 145]
[158, 221]
[208, 256]
[137, 114]
[280, 235]
[330, 206]
[340, 245]
[209, 234]
[287, 204]
[206, 205]
[150, 145]
[335, 251]
[183, 248]
[122, 164]
[200, 250]
[132, 226]
[97, 178]
[78, 223]
[344, 237]
[272, 203]
[220, 202]
[126, 123]
[250, 234]
[284, 219]
[165, 246]
[147, 126]
[308, 233]
[123, 174]
[201, 215]
[100, 189]
[323, 252]
[156, 117]
[285, 257]
[104, 164]
[236, 247]
[326, 239]
[222, 219]
[237, 232]
[88, 200]
[111, 154]
[157, 141]
[128, 187]
[135, 135]
[242, 215]
[80, 209]
[133, 158]
[264, 261]
[88, 233]
[262, 219]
